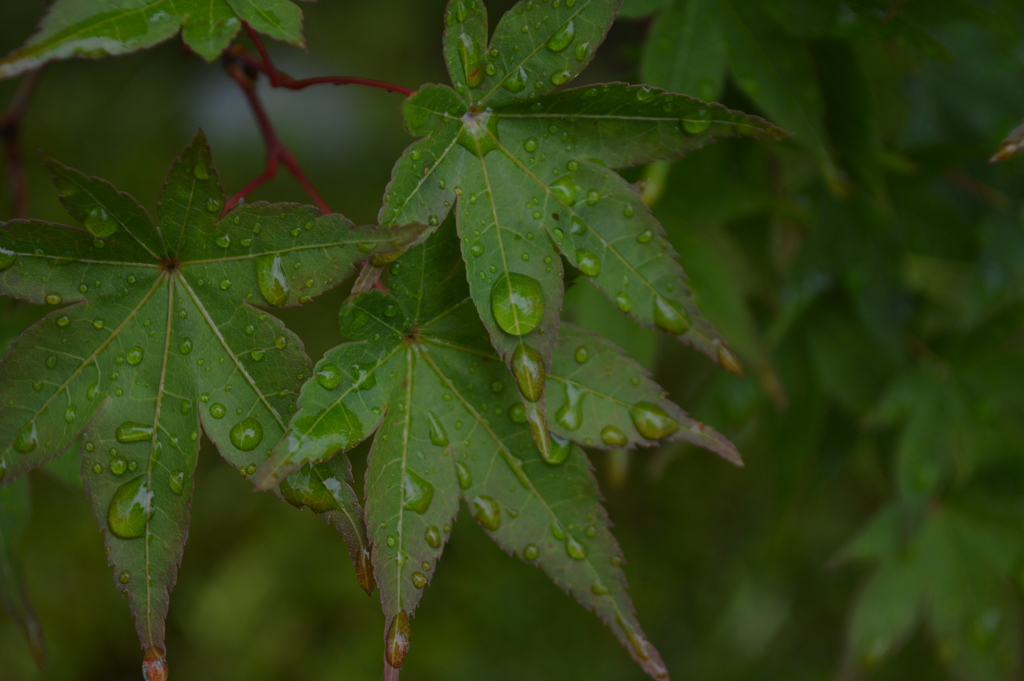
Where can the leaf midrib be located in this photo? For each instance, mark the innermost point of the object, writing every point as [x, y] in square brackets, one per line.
[512, 463]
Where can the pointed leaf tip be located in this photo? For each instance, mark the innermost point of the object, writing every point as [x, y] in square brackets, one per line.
[396, 644]
[154, 665]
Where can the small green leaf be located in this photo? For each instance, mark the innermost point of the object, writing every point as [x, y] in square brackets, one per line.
[99, 28]
[778, 73]
[450, 423]
[161, 333]
[953, 572]
[685, 51]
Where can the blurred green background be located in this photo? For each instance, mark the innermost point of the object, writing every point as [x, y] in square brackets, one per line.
[869, 272]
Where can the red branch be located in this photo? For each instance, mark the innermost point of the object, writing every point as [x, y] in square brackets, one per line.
[10, 127]
[280, 79]
[277, 152]
[245, 68]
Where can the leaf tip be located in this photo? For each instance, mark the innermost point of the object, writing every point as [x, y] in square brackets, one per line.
[154, 665]
[364, 572]
[396, 644]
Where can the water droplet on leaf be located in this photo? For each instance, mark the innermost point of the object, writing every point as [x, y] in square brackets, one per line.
[517, 303]
[130, 509]
[247, 434]
[437, 432]
[652, 421]
[588, 262]
[418, 492]
[563, 37]
[271, 279]
[487, 512]
[613, 437]
[397, 641]
[27, 440]
[328, 376]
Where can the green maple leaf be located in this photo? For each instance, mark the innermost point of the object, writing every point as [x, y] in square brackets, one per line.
[99, 28]
[526, 167]
[163, 335]
[954, 573]
[449, 424]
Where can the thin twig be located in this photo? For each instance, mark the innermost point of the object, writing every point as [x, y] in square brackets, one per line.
[280, 79]
[10, 127]
[277, 152]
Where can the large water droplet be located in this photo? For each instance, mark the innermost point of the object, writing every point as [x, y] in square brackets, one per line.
[588, 262]
[487, 512]
[433, 537]
[669, 318]
[176, 482]
[328, 376]
[531, 552]
[517, 412]
[613, 437]
[7, 259]
[528, 368]
[465, 475]
[574, 548]
[419, 580]
[306, 488]
[54, 299]
[129, 432]
[624, 302]
[134, 356]
[582, 354]
[271, 279]
[418, 492]
[99, 222]
[517, 303]
[560, 450]
[437, 432]
[515, 81]
[27, 440]
[557, 530]
[697, 121]
[561, 77]
[118, 465]
[396, 644]
[218, 410]
[570, 415]
[563, 37]
[363, 375]
[469, 53]
[652, 421]
[186, 346]
[125, 577]
[564, 190]
[479, 135]
[130, 509]
[247, 434]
